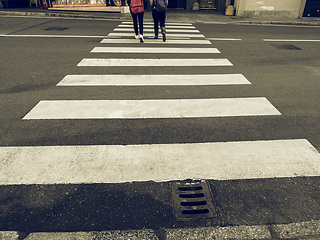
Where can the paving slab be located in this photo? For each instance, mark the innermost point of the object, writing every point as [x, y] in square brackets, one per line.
[9, 235]
[294, 230]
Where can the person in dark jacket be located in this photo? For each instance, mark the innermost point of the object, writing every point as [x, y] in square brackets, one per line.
[159, 8]
[138, 17]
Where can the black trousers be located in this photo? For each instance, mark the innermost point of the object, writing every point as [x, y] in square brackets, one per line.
[135, 18]
[158, 17]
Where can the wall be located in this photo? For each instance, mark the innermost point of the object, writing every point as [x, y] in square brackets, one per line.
[279, 8]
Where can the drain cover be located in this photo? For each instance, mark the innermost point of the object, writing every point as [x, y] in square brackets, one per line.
[55, 29]
[192, 200]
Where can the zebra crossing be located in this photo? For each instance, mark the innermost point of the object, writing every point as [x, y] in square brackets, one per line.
[153, 50]
[156, 62]
[177, 35]
[132, 163]
[151, 30]
[153, 80]
[159, 162]
[157, 41]
[173, 108]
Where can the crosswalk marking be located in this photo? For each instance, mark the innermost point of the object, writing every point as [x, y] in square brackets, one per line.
[49, 36]
[151, 26]
[167, 23]
[153, 80]
[156, 41]
[153, 62]
[291, 40]
[125, 34]
[158, 162]
[225, 39]
[151, 30]
[168, 108]
[153, 50]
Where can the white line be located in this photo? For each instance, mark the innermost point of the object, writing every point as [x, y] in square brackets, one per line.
[278, 25]
[167, 23]
[138, 109]
[52, 36]
[113, 62]
[151, 26]
[224, 39]
[151, 30]
[152, 50]
[76, 18]
[153, 80]
[219, 23]
[156, 41]
[291, 40]
[152, 35]
[158, 162]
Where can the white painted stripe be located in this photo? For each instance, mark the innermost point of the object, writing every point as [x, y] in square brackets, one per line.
[152, 35]
[156, 41]
[77, 18]
[152, 50]
[175, 38]
[151, 30]
[224, 39]
[278, 25]
[219, 23]
[168, 108]
[96, 62]
[52, 36]
[291, 40]
[151, 26]
[167, 23]
[153, 80]
[158, 162]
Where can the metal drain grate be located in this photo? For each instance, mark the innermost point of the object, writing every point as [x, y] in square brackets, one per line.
[192, 200]
[56, 29]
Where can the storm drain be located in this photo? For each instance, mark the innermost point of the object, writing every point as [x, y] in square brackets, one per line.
[192, 200]
[56, 29]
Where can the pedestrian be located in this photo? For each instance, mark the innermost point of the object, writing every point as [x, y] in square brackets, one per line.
[137, 8]
[159, 8]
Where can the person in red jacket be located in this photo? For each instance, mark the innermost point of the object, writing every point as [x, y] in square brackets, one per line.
[137, 15]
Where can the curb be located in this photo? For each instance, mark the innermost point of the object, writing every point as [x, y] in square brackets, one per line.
[302, 230]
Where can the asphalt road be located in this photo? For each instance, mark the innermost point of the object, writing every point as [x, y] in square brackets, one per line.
[286, 73]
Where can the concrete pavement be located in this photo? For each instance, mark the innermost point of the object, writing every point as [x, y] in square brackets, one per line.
[297, 231]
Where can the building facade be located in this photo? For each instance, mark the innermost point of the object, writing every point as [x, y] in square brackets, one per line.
[281, 8]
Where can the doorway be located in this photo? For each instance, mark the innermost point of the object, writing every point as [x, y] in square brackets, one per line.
[312, 8]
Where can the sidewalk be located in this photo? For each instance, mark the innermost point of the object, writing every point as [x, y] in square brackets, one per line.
[297, 231]
[173, 15]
